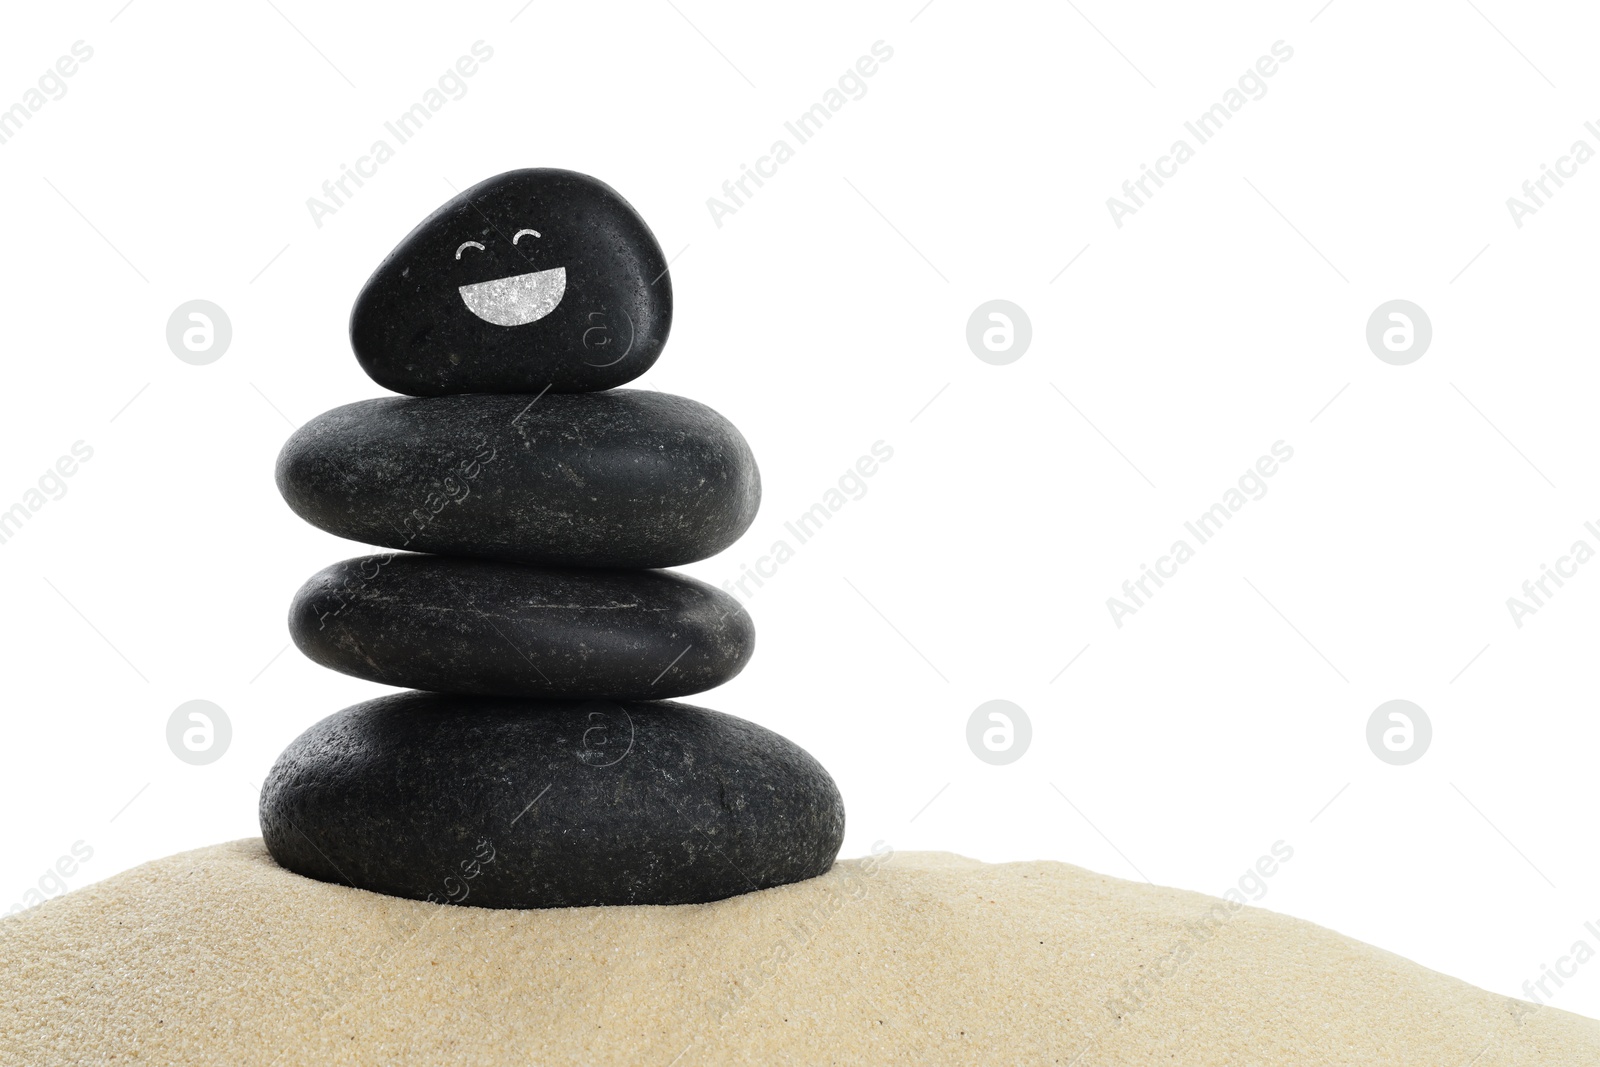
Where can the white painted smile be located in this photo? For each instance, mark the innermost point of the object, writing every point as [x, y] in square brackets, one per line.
[517, 300]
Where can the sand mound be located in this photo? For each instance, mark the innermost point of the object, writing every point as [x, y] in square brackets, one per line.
[220, 956]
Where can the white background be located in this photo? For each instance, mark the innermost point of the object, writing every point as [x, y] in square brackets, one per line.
[829, 313]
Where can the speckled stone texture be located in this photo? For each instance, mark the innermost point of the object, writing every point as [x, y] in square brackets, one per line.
[508, 803]
[532, 278]
[628, 478]
[479, 626]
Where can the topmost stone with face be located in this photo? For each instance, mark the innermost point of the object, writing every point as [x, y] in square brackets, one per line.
[531, 279]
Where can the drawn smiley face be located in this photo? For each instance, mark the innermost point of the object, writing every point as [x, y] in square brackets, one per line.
[518, 299]
[532, 279]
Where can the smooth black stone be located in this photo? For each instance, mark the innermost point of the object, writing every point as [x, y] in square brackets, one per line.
[586, 304]
[628, 478]
[577, 802]
[480, 626]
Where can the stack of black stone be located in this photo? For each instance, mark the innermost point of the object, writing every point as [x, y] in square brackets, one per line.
[526, 502]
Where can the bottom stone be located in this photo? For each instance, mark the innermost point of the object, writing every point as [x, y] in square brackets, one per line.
[517, 803]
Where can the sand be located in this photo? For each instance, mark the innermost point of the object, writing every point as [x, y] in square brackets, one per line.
[220, 956]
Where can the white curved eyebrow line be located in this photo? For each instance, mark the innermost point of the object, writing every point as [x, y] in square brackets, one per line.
[518, 236]
[470, 244]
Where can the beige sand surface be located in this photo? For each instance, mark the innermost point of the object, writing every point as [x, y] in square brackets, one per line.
[219, 956]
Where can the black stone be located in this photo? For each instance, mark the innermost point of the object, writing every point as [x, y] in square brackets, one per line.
[509, 803]
[473, 302]
[480, 626]
[628, 478]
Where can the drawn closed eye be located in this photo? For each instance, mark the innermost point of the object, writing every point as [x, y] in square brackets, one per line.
[470, 244]
[518, 236]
